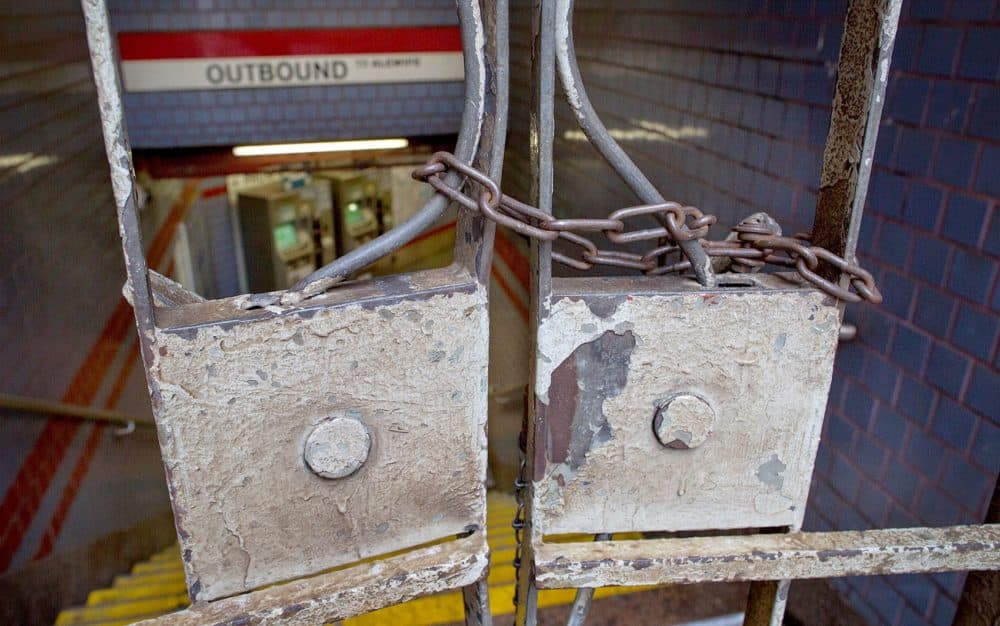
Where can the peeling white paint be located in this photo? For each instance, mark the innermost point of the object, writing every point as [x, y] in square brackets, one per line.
[762, 358]
[239, 402]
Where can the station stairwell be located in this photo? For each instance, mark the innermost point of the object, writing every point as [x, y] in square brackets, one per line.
[156, 587]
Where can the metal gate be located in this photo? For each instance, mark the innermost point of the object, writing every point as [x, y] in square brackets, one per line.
[685, 398]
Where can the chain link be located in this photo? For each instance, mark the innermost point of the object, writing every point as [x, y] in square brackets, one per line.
[519, 522]
[755, 242]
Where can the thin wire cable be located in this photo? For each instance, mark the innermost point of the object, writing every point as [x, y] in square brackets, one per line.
[470, 21]
[595, 131]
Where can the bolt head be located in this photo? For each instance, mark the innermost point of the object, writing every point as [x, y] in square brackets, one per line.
[683, 421]
[337, 447]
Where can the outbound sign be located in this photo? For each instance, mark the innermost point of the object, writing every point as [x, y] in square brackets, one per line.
[198, 60]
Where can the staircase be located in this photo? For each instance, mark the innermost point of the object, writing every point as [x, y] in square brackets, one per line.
[156, 586]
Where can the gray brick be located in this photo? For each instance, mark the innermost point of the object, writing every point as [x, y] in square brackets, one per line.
[918, 591]
[915, 148]
[972, 275]
[901, 481]
[893, 246]
[886, 601]
[899, 518]
[970, 486]
[980, 53]
[873, 504]
[869, 456]
[953, 423]
[986, 447]
[844, 478]
[975, 331]
[949, 104]
[858, 405]
[944, 611]
[983, 395]
[923, 453]
[889, 426]
[935, 509]
[898, 293]
[909, 98]
[933, 311]
[938, 50]
[839, 433]
[923, 205]
[881, 377]
[930, 258]
[946, 369]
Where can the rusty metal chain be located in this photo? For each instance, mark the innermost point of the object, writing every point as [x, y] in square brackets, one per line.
[756, 242]
[519, 522]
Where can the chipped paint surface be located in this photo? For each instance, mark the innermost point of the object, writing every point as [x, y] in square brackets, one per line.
[239, 401]
[345, 593]
[761, 358]
[768, 557]
[684, 421]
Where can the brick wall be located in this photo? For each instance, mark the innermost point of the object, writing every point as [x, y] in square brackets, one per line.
[226, 117]
[65, 332]
[726, 106]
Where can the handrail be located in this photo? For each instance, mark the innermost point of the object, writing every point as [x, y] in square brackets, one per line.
[78, 411]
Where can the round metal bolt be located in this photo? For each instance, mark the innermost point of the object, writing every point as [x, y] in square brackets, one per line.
[337, 447]
[683, 421]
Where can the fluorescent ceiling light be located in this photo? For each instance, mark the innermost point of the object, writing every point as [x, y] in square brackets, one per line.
[319, 146]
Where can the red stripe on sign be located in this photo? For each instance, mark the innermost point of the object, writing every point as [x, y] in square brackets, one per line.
[267, 43]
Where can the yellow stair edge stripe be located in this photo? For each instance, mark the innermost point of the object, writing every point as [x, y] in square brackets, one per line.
[106, 596]
[156, 586]
[132, 608]
[158, 567]
[131, 580]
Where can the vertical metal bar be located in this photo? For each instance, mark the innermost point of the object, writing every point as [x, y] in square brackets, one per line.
[477, 258]
[980, 602]
[584, 597]
[476, 598]
[766, 603]
[862, 75]
[581, 606]
[474, 233]
[542, 132]
[104, 60]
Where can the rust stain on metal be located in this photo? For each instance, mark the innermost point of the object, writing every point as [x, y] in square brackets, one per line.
[842, 158]
[594, 372]
[768, 557]
[761, 357]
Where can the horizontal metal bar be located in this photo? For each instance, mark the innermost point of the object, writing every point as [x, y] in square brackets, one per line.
[767, 557]
[346, 592]
[77, 411]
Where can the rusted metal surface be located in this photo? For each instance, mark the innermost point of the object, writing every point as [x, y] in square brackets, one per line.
[768, 556]
[345, 593]
[542, 131]
[862, 77]
[761, 356]
[754, 242]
